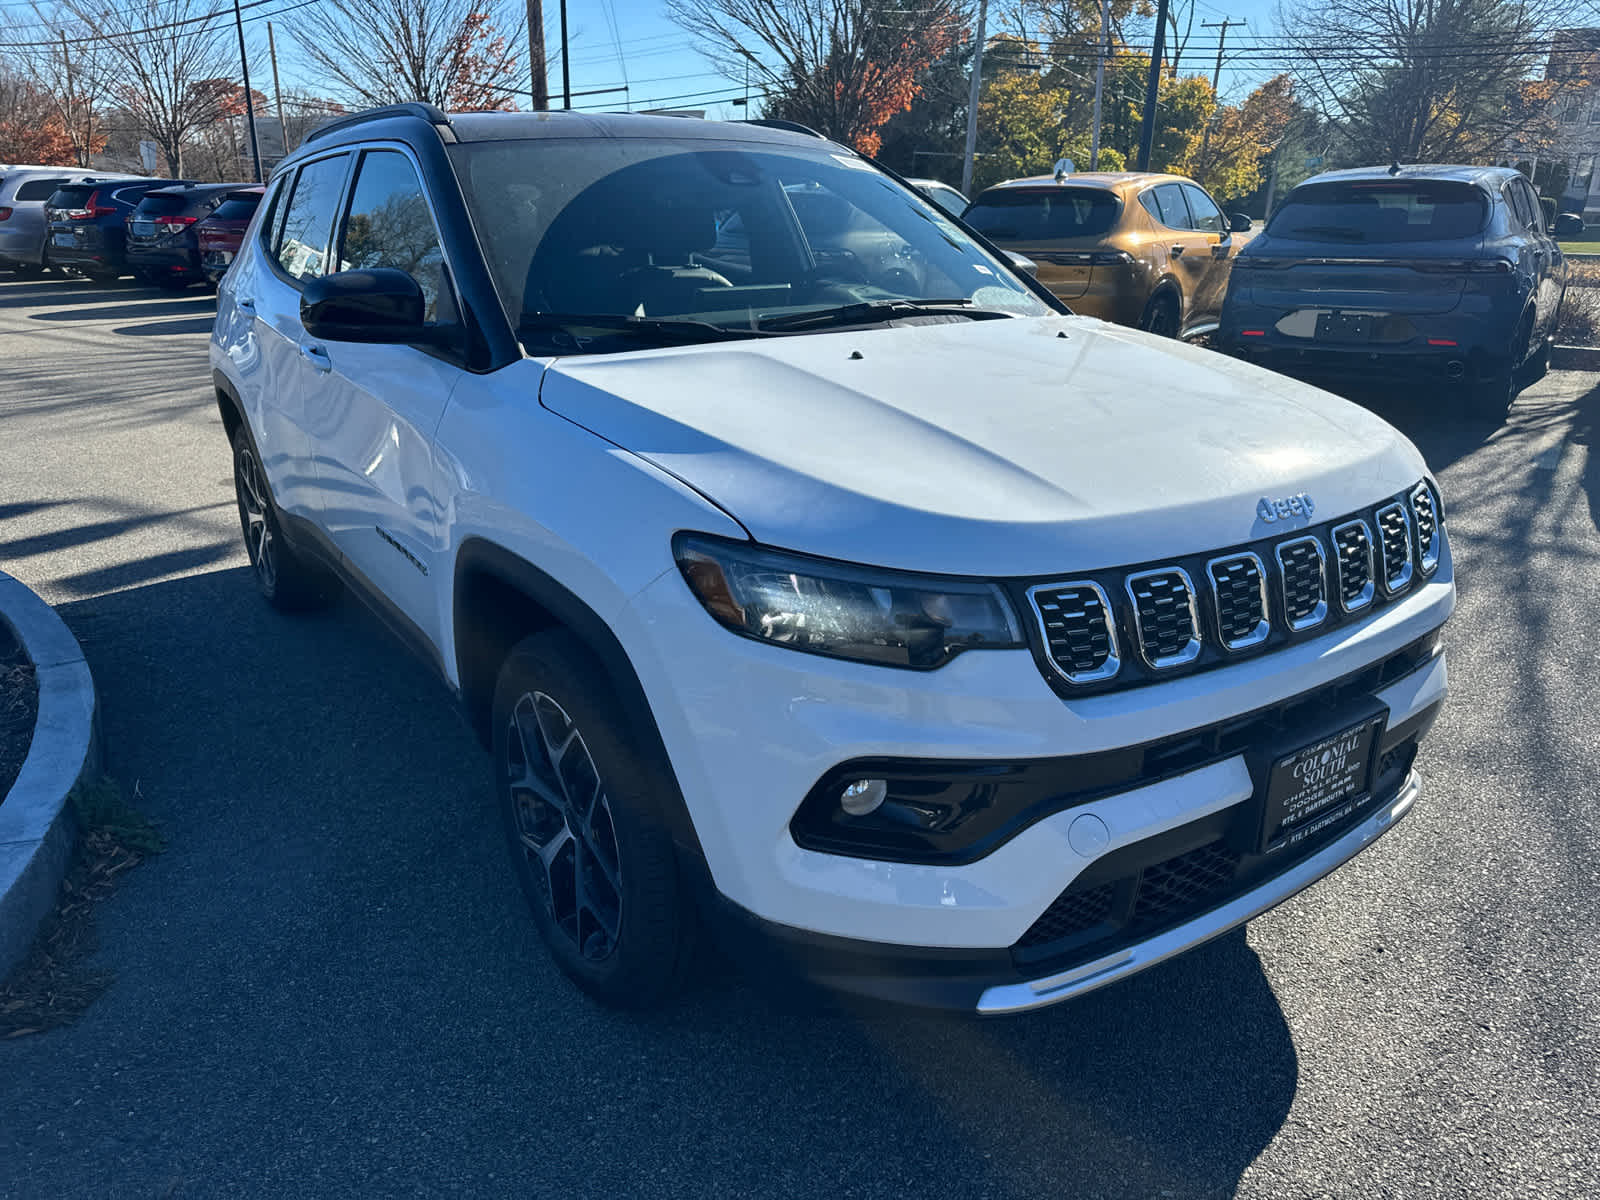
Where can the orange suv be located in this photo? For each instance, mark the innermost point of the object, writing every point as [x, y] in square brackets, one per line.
[1136, 248]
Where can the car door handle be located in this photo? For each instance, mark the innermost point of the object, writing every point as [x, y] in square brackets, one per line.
[245, 305]
[317, 357]
[1177, 252]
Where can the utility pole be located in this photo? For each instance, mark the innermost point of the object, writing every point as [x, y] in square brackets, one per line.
[277, 92]
[1216, 76]
[1152, 89]
[566, 66]
[972, 97]
[1100, 81]
[249, 104]
[538, 77]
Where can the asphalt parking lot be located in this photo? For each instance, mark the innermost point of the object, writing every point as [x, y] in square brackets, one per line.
[328, 985]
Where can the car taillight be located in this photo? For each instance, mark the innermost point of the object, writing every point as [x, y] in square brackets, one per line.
[5, 214]
[174, 224]
[93, 208]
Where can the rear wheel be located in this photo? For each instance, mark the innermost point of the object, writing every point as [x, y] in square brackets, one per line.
[1161, 316]
[285, 579]
[1490, 397]
[583, 817]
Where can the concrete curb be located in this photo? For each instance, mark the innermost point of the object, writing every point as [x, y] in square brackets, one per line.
[1575, 358]
[36, 826]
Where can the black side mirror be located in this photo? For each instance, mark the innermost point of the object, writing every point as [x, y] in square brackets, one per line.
[1239, 223]
[1022, 263]
[383, 306]
[1568, 225]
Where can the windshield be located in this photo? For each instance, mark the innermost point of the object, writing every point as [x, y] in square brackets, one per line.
[161, 204]
[1371, 211]
[237, 208]
[1041, 216]
[729, 235]
[69, 197]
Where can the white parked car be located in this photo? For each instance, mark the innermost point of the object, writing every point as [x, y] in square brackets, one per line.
[873, 612]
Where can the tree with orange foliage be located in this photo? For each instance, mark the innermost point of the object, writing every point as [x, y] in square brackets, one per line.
[443, 52]
[843, 67]
[31, 130]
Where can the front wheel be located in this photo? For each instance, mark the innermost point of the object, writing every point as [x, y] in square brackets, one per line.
[284, 578]
[583, 814]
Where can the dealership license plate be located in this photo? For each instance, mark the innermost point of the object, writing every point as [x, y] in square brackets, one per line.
[1319, 785]
[1344, 327]
[141, 228]
[218, 258]
[65, 239]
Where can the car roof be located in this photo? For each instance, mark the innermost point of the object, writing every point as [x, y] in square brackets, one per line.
[409, 119]
[1490, 176]
[1111, 181]
[197, 189]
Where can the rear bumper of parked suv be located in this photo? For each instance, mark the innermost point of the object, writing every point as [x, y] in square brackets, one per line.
[179, 261]
[749, 741]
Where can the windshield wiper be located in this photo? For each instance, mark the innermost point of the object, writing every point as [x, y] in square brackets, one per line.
[1341, 232]
[671, 330]
[866, 312]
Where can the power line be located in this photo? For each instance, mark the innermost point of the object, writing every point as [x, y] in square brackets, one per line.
[122, 35]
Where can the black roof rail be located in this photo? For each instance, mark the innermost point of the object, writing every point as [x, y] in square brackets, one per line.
[779, 123]
[411, 108]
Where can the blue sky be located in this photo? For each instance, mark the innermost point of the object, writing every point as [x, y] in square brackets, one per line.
[632, 43]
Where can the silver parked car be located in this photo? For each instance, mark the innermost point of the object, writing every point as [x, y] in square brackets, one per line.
[23, 192]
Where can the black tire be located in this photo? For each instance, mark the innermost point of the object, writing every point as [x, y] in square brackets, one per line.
[626, 934]
[287, 580]
[1490, 396]
[1162, 316]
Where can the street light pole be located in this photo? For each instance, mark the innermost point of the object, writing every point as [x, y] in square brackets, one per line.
[972, 98]
[566, 65]
[1152, 88]
[1100, 81]
[538, 76]
[249, 104]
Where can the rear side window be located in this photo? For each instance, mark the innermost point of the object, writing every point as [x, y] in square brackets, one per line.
[1518, 204]
[308, 221]
[37, 189]
[1377, 211]
[389, 225]
[1029, 216]
[237, 208]
[1165, 204]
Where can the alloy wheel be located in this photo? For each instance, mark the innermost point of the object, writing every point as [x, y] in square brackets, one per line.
[258, 540]
[564, 825]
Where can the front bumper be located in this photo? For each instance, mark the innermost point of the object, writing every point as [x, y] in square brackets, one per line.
[990, 982]
[750, 729]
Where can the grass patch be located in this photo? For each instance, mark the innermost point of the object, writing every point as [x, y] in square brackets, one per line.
[53, 985]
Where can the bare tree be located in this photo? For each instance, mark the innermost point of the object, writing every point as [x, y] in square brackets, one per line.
[165, 54]
[70, 69]
[1425, 80]
[843, 66]
[444, 52]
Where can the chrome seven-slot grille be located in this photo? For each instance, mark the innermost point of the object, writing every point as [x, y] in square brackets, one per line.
[1247, 598]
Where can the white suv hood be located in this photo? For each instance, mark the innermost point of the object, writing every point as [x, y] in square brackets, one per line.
[1005, 447]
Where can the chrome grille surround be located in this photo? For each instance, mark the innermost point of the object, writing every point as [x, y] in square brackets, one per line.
[1067, 613]
[1232, 586]
[1302, 566]
[1164, 612]
[1352, 546]
[1425, 520]
[1394, 546]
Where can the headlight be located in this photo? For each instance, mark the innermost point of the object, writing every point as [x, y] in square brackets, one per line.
[844, 611]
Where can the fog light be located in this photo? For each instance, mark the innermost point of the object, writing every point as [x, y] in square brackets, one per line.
[863, 796]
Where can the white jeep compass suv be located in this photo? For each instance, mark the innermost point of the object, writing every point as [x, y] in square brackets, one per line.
[813, 576]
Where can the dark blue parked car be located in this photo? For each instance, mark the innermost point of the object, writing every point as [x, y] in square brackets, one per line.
[88, 223]
[1441, 277]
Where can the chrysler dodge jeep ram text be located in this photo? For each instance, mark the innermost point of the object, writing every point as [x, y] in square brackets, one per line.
[811, 575]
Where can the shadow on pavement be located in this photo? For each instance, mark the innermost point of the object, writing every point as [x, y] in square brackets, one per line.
[330, 975]
[1584, 431]
[174, 307]
[23, 293]
[168, 328]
